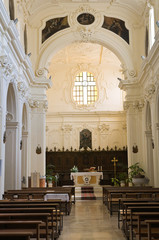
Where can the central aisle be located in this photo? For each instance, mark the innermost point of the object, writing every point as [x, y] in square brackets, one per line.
[89, 220]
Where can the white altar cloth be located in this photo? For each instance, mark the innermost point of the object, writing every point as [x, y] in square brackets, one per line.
[86, 178]
[63, 197]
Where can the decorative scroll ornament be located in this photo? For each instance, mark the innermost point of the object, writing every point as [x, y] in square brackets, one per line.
[85, 21]
[86, 34]
[67, 128]
[103, 128]
[34, 103]
[126, 105]
[45, 104]
[9, 117]
[6, 65]
[149, 91]
[22, 88]
[42, 72]
[132, 73]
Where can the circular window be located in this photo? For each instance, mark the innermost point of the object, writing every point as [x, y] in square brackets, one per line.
[85, 18]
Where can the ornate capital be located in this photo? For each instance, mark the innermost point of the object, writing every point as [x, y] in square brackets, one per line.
[149, 91]
[9, 117]
[34, 103]
[136, 105]
[6, 65]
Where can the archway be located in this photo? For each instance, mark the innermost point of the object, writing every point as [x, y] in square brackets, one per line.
[149, 144]
[11, 140]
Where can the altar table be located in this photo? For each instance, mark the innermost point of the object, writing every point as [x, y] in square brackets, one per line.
[86, 178]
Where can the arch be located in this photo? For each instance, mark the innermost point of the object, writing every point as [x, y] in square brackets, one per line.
[11, 101]
[11, 145]
[104, 37]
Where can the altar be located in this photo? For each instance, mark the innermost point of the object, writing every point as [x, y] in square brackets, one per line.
[86, 178]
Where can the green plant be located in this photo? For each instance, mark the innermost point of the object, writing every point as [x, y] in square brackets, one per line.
[115, 181]
[135, 171]
[122, 176]
[50, 173]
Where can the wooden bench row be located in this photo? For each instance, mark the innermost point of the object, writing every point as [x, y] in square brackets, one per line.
[112, 195]
[40, 219]
[140, 220]
[63, 193]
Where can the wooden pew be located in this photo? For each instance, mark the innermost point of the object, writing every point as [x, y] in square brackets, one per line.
[140, 231]
[29, 216]
[15, 234]
[129, 220]
[34, 194]
[21, 227]
[113, 195]
[54, 204]
[56, 219]
[152, 226]
[124, 203]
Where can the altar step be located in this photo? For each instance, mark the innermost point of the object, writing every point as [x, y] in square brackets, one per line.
[97, 192]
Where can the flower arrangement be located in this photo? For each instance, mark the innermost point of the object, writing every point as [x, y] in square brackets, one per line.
[74, 169]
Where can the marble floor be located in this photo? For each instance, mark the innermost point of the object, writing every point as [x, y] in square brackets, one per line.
[89, 220]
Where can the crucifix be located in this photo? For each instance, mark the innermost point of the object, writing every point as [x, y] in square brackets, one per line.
[115, 162]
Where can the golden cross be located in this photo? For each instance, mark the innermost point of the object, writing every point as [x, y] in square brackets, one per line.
[115, 162]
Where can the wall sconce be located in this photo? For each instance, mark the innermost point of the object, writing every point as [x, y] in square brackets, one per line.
[157, 23]
[21, 144]
[4, 137]
[38, 149]
[135, 148]
[15, 21]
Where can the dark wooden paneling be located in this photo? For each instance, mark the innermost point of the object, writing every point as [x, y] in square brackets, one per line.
[65, 160]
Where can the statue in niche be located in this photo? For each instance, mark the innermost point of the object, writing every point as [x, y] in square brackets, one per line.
[54, 25]
[85, 139]
[117, 26]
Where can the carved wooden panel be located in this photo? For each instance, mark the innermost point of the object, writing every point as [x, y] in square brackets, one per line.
[65, 160]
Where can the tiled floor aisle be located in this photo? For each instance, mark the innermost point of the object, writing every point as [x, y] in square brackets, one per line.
[89, 220]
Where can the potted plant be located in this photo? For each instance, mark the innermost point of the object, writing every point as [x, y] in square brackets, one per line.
[137, 174]
[122, 178]
[115, 181]
[50, 178]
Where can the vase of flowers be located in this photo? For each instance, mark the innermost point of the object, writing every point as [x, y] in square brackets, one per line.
[74, 169]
